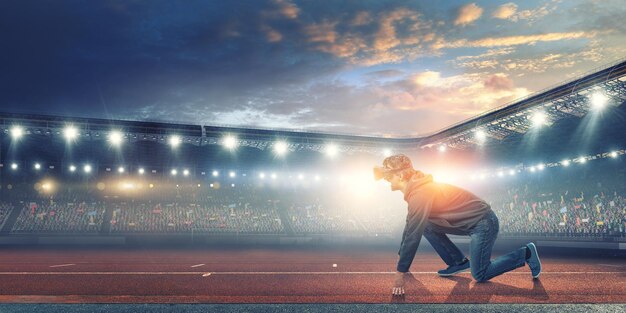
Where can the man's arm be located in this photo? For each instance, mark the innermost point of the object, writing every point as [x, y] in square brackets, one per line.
[406, 227]
[419, 209]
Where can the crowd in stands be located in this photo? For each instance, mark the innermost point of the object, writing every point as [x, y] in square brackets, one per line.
[571, 213]
[5, 210]
[203, 216]
[316, 218]
[59, 217]
[524, 209]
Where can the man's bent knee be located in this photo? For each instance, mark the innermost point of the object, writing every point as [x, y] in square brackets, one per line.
[480, 277]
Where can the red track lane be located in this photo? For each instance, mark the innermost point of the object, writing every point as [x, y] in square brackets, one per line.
[285, 276]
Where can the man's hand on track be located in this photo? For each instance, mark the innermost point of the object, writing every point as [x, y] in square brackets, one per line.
[398, 284]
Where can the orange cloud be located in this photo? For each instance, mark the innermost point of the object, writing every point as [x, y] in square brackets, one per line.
[516, 40]
[468, 14]
[323, 32]
[362, 18]
[464, 94]
[505, 11]
[509, 12]
[287, 8]
[498, 81]
[271, 34]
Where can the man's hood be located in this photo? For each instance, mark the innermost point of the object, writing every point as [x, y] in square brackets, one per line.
[416, 183]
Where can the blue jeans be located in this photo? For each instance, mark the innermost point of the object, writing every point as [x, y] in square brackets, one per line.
[483, 235]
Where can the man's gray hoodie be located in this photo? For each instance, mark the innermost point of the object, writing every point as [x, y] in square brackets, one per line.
[448, 208]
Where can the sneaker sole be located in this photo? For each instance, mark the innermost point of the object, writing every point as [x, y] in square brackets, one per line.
[450, 274]
[534, 248]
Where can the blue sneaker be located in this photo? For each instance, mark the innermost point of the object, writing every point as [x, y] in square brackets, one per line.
[533, 261]
[454, 269]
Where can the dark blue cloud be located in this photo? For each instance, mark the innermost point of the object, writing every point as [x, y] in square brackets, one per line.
[93, 57]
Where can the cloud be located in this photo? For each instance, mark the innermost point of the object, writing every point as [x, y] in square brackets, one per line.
[498, 81]
[509, 12]
[287, 9]
[428, 78]
[537, 64]
[271, 34]
[468, 14]
[404, 104]
[505, 11]
[362, 18]
[489, 53]
[516, 40]
[322, 32]
[329, 41]
[386, 38]
[414, 103]
[383, 74]
[402, 34]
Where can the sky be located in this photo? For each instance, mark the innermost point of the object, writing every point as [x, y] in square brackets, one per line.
[371, 67]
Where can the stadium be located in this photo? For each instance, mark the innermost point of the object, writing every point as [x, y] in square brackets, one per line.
[146, 214]
[105, 185]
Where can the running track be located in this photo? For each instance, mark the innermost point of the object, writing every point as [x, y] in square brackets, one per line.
[287, 275]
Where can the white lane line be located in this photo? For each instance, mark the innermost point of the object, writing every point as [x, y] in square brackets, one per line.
[267, 273]
[611, 265]
[62, 265]
[197, 265]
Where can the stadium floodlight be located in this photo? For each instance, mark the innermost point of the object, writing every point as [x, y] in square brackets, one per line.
[300, 176]
[317, 178]
[116, 137]
[87, 168]
[598, 100]
[532, 169]
[186, 172]
[230, 142]
[565, 162]
[231, 174]
[331, 150]
[70, 133]
[512, 172]
[442, 148]
[17, 132]
[141, 170]
[500, 174]
[539, 119]
[262, 175]
[280, 148]
[232, 185]
[613, 154]
[175, 141]
[480, 135]
[387, 152]
[582, 160]
[541, 167]
[482, 176]
[215, 173]
[274, 176]
[120, 169]
[14, 166]
[174, 172]
[37, 166]
[72, 168]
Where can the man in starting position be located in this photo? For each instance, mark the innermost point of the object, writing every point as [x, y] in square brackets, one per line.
[435, 210]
